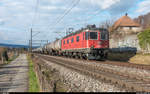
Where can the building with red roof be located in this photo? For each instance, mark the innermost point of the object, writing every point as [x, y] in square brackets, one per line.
[123, 33]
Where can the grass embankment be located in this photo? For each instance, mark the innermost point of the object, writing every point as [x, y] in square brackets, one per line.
[33, 82]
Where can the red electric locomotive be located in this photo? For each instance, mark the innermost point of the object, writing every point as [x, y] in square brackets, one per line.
[89, 43]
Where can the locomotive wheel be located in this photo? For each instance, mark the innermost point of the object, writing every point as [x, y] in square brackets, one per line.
[86, 58]
[76, 57]
[81, 57]
[106, 55]
[72, 56]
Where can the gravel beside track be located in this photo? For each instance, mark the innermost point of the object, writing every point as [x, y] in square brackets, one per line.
[82, 83]
[130, 82]
[132, 71]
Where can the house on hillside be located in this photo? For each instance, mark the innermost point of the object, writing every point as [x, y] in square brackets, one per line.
[123, 34]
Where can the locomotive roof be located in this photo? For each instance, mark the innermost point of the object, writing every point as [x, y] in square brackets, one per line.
[83, 29]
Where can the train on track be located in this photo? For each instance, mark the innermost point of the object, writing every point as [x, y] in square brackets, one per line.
[88, 43]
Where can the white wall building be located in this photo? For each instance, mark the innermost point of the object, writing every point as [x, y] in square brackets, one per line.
[124, 33]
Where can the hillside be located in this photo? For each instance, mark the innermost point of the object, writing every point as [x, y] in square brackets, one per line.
[13, 45]
[144, 20]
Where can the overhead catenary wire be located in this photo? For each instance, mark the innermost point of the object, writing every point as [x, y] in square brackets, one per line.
[96, 13]
[33, 23]
[83, 21]
[75, 3]
[67, 12]
[90, 16]
[52, 27]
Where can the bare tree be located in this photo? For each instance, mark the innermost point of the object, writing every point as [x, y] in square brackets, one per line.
[107, 24]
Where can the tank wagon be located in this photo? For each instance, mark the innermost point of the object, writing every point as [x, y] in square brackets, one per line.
[38, 50]
[88, 43]
[54, 48]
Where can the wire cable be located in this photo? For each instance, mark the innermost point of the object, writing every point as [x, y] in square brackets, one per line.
[35, 13]
[75, 3]
[67, 12]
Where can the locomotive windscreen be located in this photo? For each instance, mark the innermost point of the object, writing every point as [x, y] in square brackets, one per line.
[104, 35]
[93, 35]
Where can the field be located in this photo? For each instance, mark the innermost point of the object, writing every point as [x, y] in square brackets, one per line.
[140, 59]
[130, 57]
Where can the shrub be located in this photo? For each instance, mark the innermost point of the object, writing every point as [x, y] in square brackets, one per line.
[144, 38]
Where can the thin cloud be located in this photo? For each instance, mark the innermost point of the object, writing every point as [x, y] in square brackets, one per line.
[143, 7]
[17, 15]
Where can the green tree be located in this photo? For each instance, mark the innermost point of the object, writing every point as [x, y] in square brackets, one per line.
[144, 38]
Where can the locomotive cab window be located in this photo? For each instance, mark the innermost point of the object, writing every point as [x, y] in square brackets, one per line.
[67, 41]
[77, 38]
[72, 40]
[64, 41]
[93, 35]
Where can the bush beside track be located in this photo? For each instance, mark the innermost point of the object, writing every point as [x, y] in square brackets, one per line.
[11, 58]
[144, 39]
[10, 55]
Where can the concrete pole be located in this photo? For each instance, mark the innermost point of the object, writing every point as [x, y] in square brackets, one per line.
[31, 41]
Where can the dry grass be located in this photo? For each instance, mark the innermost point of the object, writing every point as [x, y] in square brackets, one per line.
[130, 57]
[140, 59]
[1, 49]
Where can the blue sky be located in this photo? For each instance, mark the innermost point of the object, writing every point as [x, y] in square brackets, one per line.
[16, 16]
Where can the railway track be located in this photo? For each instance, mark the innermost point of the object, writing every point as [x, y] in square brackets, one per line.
[126, 64]
[130, 82]
[119, 63]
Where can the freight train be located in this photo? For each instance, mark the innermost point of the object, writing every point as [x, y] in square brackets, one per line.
[88, 43]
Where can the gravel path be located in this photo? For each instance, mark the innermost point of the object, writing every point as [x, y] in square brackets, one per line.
[14, 76]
